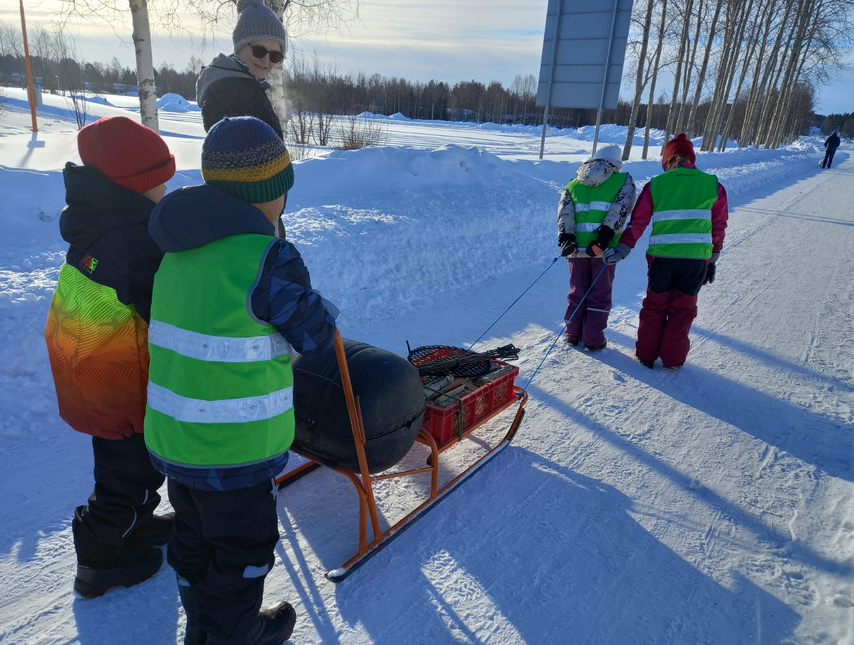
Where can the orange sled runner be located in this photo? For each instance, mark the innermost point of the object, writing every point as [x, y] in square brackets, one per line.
[363, 481]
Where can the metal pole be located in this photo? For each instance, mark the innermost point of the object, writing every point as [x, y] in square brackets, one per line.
[605, 76]
[551, 77]
[31, 92]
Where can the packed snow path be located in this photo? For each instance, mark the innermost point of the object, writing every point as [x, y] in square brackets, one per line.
[714, 504]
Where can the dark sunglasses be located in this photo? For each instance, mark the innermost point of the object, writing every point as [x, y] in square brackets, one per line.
[275, 55]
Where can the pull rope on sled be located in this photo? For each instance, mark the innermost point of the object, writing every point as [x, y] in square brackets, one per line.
[571, 316]
[513, 303]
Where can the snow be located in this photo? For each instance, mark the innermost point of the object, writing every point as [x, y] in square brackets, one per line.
[175, 103]
[714, 504]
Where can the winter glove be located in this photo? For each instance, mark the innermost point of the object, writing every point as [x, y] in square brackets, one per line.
[604, 235]
[710, 269]
[619, 252]
[567, 244]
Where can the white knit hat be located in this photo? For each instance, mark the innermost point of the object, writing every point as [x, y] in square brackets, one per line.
[612, 154]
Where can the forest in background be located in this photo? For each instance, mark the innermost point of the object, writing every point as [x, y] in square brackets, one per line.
[724, 70]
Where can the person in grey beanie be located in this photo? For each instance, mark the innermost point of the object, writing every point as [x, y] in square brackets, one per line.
[235, 84]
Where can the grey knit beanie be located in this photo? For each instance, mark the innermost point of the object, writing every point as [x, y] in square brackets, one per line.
[256, 21]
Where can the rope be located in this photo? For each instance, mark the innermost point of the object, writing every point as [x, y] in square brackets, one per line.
[554, 342]
[513, 303]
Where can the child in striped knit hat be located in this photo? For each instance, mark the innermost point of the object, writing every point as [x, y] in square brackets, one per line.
[230, 300]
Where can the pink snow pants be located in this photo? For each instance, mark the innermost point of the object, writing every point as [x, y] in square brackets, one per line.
[590, 322]
[669, 309]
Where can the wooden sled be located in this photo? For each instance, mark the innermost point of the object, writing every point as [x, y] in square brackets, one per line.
[363, 481]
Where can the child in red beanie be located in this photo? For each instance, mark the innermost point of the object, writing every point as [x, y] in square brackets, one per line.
[688, 209]
[96, 334]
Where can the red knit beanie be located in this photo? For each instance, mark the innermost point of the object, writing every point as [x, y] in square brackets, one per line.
[679, 146]
[126, 153]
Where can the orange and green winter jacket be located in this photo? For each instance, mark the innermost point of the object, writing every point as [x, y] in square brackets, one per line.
[97, 325]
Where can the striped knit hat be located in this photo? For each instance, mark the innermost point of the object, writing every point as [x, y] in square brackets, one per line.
[242, 156]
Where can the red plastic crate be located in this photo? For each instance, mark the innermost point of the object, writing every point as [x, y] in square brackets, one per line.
[448, 423]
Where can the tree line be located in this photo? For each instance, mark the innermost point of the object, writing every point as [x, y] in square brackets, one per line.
[742, 70]
[723, 70]
[842, 123]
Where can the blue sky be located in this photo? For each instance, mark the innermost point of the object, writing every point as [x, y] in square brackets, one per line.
[448, 40]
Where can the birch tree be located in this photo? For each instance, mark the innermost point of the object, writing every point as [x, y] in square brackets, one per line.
[683, 46]
[144, 64]
[639, 78]
[655, 67]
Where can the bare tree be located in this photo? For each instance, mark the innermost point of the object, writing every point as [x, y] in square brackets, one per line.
[701, 75]
[109, 10]
[640, 81]
[70, 75]
[655, 68]
[356, 132]
[677, 76]
[11, 43]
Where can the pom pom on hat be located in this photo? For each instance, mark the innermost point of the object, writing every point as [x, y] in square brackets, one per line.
[256, 21]
[612, 154]
[679, 146]
[126, 153]
[244, 157]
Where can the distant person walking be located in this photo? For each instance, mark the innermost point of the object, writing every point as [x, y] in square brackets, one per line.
[235, 84]
[830, 146]
[688, 209]
[591, 214]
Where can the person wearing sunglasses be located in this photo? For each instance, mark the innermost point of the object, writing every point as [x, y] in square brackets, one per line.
[235, 84]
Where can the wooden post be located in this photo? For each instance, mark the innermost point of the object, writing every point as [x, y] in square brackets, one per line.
[31, 91]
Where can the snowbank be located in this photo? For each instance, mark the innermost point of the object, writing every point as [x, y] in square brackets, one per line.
[175, 103]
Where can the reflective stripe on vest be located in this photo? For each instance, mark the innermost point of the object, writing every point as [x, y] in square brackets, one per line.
[682, 214]
[205, 347]
[220, 381]
[592, 204]
[254, 408]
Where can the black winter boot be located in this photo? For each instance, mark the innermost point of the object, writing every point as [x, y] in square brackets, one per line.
[94, 578]
[274, 626]
[191, 598]
[155, 531]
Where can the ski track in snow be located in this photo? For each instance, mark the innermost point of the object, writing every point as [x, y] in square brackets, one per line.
[714, 504]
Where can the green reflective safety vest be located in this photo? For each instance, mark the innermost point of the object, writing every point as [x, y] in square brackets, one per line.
[591, 206]
[682, 201]
[220, 390]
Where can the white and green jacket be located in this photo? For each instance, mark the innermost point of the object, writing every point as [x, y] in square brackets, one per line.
[598, 195]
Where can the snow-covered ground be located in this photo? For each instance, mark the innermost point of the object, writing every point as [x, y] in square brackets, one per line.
[714, 504]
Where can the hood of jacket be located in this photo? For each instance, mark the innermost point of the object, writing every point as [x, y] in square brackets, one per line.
[96, 205]
[192, 217]
[223, 67]
[594, 172]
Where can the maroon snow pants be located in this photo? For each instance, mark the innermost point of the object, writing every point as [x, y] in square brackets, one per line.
[668, 309]
[589, 323]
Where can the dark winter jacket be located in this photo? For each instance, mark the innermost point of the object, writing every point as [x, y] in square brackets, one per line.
[226, 87]
[97, 330]
[109, 223]
[282, 296]
[831, 143]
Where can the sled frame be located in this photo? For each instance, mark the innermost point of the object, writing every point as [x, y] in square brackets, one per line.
[363, 481]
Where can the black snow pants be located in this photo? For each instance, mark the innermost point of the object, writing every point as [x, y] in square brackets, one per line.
[828, 157]
[125, 496]
[223, 544]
